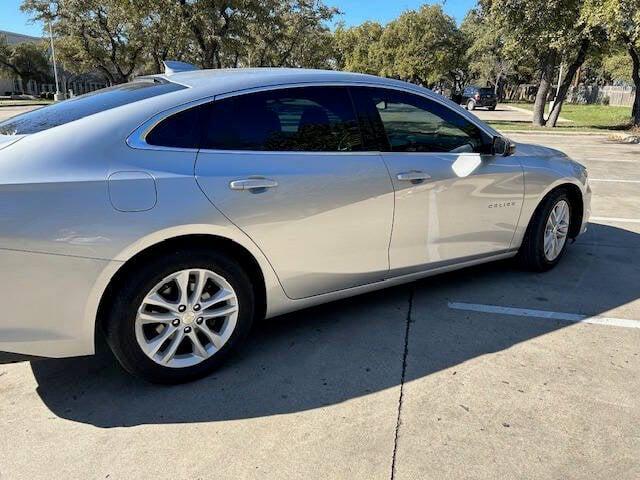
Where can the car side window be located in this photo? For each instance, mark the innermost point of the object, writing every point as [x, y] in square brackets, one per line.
[416, 124]
[306, 119]
[181, 130]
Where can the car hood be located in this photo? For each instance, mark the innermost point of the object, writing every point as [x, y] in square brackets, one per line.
[6, 140]
[532, 150]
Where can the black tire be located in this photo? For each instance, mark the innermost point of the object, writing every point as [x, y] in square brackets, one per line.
[471, 105]
[120, 322]
[491, 109]
[531, 254]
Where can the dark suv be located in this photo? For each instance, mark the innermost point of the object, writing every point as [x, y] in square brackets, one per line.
[473, 97]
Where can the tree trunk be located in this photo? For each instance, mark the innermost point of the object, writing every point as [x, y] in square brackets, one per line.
[548, 66]
[635, 74]
[566, 83]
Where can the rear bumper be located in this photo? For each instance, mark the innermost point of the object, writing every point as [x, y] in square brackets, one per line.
[48, 303]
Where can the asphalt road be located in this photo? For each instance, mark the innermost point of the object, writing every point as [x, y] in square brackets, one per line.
[436, 379]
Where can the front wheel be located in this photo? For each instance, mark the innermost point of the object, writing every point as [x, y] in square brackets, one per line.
[471, 105]
[546, 238]
[178, 317]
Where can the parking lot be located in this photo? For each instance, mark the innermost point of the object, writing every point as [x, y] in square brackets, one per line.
[489, 372]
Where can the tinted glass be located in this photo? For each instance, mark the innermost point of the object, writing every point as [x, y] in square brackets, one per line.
[486, 91]
[313, 119]
[416, 124]
[84, 105]
[182, 130]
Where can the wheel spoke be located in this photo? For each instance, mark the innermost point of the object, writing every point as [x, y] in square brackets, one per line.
[222, 296]
[201, 281]
[182, 280]
[216, 340]
[169, 353]
[219, 312]
[154, 345]
[198, 348]
[156, 300]
[547, 248]
[147, 318]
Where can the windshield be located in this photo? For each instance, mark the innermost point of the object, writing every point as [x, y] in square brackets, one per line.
[85, 105]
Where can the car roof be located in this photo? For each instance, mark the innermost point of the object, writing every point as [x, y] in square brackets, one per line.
[234, 79]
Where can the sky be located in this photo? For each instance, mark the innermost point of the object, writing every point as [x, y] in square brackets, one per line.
[354, 12]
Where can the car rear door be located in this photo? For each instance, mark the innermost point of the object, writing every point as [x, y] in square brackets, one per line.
[454, 200]
[287, 167]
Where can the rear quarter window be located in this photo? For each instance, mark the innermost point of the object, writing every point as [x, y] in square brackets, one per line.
[85, 105]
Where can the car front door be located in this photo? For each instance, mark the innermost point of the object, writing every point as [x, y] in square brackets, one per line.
[454, 199]
[287, 166]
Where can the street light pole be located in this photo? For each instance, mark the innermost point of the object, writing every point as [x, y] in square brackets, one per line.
[58, 96]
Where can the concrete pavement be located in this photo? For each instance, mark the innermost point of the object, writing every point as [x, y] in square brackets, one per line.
[396, 384]
[7, 112]
[508, 113]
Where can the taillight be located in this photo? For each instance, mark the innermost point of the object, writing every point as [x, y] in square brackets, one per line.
[477, 96]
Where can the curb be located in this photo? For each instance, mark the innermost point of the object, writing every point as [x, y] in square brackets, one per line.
[625, 137]
[551, 133]
[24, 105]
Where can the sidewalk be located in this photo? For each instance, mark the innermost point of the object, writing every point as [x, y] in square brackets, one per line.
[9, 111]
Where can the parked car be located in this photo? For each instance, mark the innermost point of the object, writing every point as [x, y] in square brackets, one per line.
[171, 212]
[473, 97]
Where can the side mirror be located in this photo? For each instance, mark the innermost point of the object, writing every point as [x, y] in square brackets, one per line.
[503, 147]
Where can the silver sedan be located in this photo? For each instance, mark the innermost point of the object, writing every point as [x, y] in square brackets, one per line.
[170, 212]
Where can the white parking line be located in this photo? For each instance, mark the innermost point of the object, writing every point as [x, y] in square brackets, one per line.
[564, 317]
[616, 219]
[612, 180]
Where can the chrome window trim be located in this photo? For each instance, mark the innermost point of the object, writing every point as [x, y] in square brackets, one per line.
[137, 139]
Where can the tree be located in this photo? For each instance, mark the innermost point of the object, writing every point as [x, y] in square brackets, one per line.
[422, 46]
[27, 60]
[486, 55]
[124, 38]
[553, 31]
[290, 34]
[103, 35]
[612, 66]
[355, 48]
[621, 19]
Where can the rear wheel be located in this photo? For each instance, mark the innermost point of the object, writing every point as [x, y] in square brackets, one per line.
[177, 318]
[547, 235]
[491, 109]
[471, 105]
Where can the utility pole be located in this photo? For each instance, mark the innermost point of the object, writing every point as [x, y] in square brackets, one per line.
[59, 95]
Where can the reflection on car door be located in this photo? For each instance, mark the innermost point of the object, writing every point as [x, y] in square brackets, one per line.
[286, 167]
[453, 199]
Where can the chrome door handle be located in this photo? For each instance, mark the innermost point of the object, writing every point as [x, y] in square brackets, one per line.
[252, 183]
[413, 176]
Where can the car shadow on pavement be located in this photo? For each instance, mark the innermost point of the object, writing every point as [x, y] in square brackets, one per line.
[351, 348]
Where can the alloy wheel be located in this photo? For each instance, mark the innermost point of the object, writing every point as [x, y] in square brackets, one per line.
[186, 318]
[556, 230]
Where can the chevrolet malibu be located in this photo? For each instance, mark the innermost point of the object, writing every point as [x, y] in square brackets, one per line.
[170, 212]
